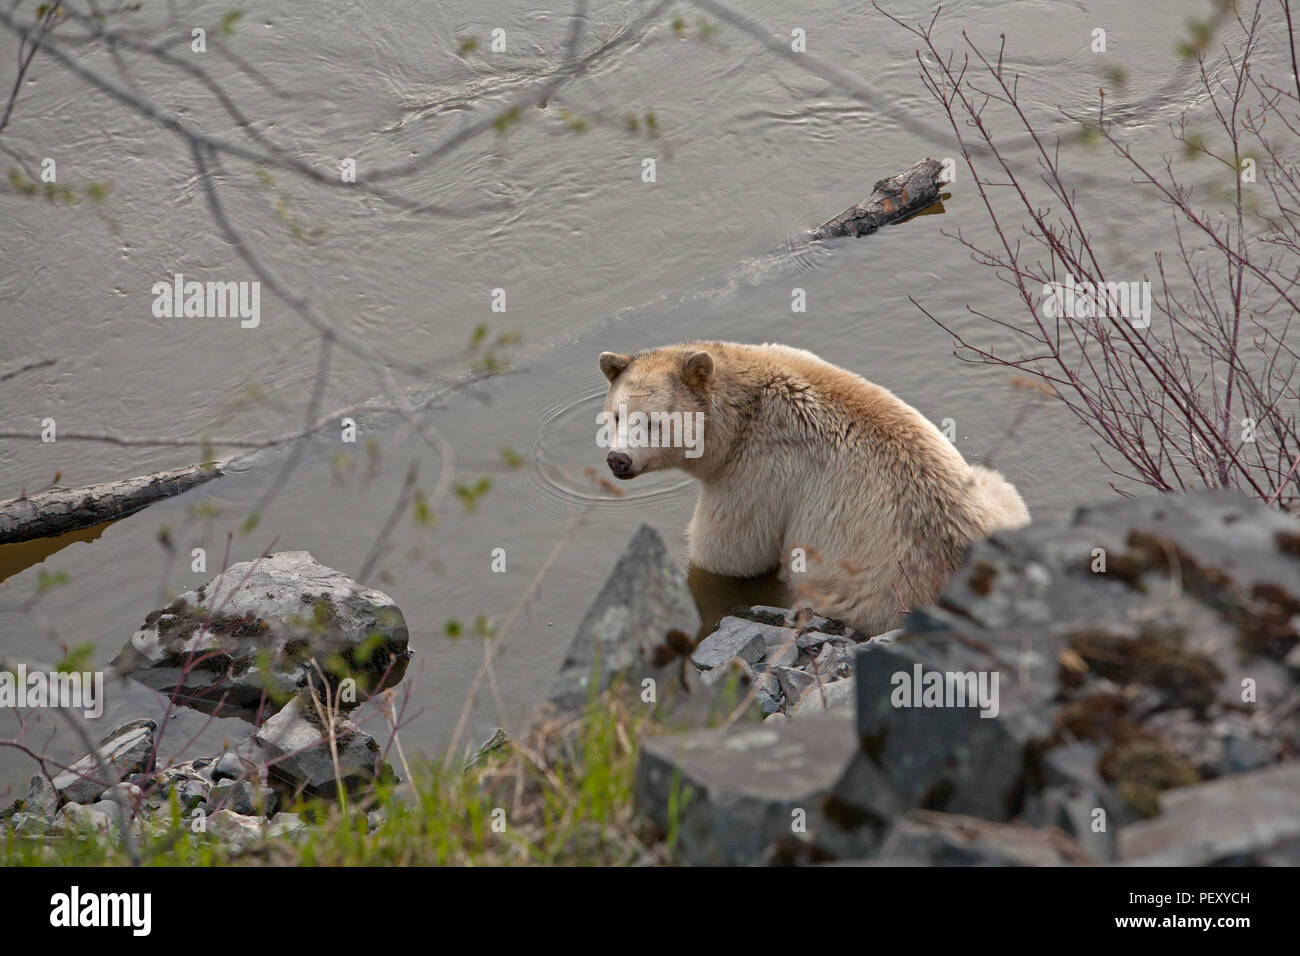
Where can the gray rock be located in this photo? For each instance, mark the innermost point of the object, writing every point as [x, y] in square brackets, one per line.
[835, 660]
[42, 798]
[128, 749]
[738, 788]
[285, 824]
[857, 811]
[1072, 809]
[298, 753]
[285, 609]
[190, 788]
[228, 767]
[234, 829]
[767, 691]
[242, 796]
[1230, 743]
[1070, 771]
[1292, 659]
[126, 795]
[793, 682]
[645, 597]
[99, 818]
[947, 758]
[114, 811]
[1242, 819]
[30, 824]
[817, 699]
[734, 638]
[925, 838]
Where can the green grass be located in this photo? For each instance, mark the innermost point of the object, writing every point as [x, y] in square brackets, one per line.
[562, 795]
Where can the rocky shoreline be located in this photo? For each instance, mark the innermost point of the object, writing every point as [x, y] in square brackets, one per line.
[1124, 689]
[1146, 662]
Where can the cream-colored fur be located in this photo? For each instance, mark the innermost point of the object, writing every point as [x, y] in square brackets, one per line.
[800, 454]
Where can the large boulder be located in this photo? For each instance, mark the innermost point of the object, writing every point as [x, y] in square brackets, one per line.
[256, 629]
[644, 604]
[1248, 819]
[1140, 650]
[744, 793]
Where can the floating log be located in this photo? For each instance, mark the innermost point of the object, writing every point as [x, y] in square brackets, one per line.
[891, 199]
[56, 510]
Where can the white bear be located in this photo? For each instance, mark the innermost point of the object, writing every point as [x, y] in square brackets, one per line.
[856, 496]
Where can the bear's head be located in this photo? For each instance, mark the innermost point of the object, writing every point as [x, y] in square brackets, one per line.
[657, 409]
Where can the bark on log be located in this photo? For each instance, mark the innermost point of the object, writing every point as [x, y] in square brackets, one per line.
[892, 199]
[60, 510]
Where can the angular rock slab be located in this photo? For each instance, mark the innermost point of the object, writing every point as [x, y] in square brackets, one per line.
[286, 608]
[737, 638]
[298, 754]
[737, 789]
[128, 749]
[925, 838]
[644, 597]
[1248, 818]
[947, 758]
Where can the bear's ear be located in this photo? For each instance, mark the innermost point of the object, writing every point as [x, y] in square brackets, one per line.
[613, 364]
[697, 370]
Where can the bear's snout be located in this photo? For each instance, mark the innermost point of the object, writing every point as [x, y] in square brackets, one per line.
[620, 464]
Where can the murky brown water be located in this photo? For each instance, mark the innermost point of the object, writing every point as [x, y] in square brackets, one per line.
[751, 151]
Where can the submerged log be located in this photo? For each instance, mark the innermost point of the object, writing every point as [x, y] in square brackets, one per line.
[58, 510]
[891, 199]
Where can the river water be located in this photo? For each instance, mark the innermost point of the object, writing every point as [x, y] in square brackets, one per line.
[751, 150]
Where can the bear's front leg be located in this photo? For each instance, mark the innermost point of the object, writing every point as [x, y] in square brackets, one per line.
[726, 540]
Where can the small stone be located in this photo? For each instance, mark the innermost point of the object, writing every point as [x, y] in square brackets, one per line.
[794, 682]
[821, 698]
[242, 796]
[234, 829]
[76, 818]
[298, 753]
[285, 824]
[42, 798]
[30, 824]
[227, 767]
[127, 748]
[733, 638]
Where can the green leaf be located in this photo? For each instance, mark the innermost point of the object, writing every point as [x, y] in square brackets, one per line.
[77, 660]
[46, 581]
